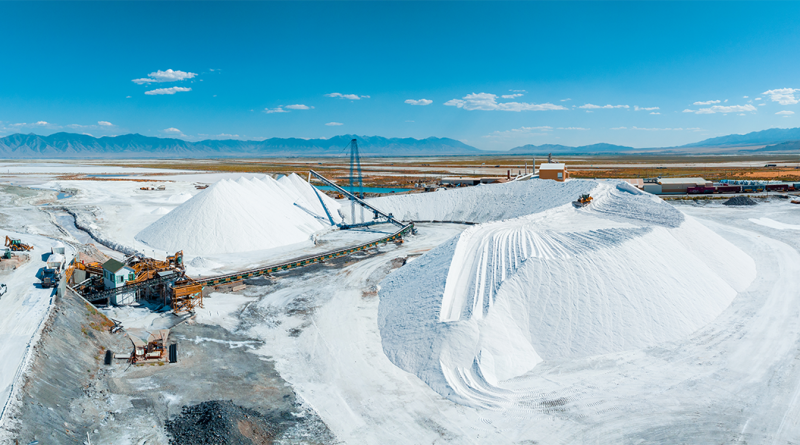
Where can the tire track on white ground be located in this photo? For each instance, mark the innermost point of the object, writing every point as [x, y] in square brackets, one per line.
[23, 312]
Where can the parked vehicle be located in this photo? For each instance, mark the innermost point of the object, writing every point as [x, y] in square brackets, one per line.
[50, 278]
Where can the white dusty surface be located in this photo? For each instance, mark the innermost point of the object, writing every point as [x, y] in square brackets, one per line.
[23, 309]
[734, 379]
[722, 368]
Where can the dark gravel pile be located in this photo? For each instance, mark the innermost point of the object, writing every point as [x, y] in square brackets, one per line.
[219, 422]
[740, 201]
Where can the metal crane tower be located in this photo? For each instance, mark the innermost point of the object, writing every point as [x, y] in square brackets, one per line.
[356, 179]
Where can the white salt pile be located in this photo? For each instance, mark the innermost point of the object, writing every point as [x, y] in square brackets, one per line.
[627, 272]
[242, 215]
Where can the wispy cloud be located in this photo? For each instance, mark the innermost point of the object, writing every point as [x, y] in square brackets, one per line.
[334, 124]
[724, 109]
[784, 96]
[165, 76]
[708, 102]
[512, 96]
[275, 110]
[298, 107]
[655, 112]
[565, 100]
[347, 96]
[638, 108]
[573, 128]
[105, 124]
[488, 102]
[757, 98]
[518, 91]
[786, 113]
[531, 131]
[170, 90]
[172, 130]
[657, 129]
[418, 102]
[594, 107]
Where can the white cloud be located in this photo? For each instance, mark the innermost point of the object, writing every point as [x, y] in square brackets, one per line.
[274, 110]
[757, 98]
[520, 131]
[657, 129]
[620, 128]
[708, 102]
[564, 100]
[638, 108]
[745, 97]
[105, 124]
[655, 112]
[298, 107]
[593, 107]
[688, 111]
[42, 123]
[165, 76]
[723, 109]
[488, 102]
[170, 90]
[347, 96]
[172, 130]
[127, 97]
[761, 105]
[418, 102]
[784, 96]
[511, 96]
[573, 128]
[518, 91]
[334, 124]
[785, 113]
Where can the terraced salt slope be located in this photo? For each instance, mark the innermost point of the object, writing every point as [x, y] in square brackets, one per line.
[482, 203]
[626, 273]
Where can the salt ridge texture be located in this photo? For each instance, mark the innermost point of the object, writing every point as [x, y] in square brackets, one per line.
[627, 272]
[243, 215]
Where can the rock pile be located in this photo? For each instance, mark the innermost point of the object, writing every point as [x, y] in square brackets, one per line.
[219, 422]
[739, 201]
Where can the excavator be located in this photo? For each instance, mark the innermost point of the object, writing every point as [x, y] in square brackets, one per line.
[17, 245]
[583, 201]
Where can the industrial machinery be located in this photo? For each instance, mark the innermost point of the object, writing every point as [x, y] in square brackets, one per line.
[582, 201]
[154, 350]
[17, 245]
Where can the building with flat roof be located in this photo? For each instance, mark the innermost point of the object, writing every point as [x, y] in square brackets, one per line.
[664, 186]
[554, 171]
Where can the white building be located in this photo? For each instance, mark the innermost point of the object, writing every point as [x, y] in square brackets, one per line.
[116, 274]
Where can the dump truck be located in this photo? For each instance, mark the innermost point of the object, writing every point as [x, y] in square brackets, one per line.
[17, 245]
[49, 278]
[582, 201]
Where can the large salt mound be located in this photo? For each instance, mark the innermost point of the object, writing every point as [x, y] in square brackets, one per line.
[239, 216]
[483, 203]
[627, 272]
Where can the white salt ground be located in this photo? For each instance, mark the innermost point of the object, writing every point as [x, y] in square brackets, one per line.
[774, 224]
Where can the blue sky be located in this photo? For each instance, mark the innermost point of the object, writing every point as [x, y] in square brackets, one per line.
[642, 74]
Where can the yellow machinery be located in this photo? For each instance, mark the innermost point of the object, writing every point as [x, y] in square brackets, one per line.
[583, 200]
[147, 268]
[17, 245]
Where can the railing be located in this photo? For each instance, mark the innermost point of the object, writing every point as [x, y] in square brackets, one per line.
[298, 262]
[130, 287]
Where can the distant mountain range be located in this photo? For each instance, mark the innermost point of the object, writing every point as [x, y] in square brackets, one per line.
[563, 149]
[764, 137]
[70, 145]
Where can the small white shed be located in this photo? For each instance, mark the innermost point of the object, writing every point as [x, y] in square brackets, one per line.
[58, 247]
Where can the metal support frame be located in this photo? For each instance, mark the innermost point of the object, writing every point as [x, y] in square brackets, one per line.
[356, 200]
